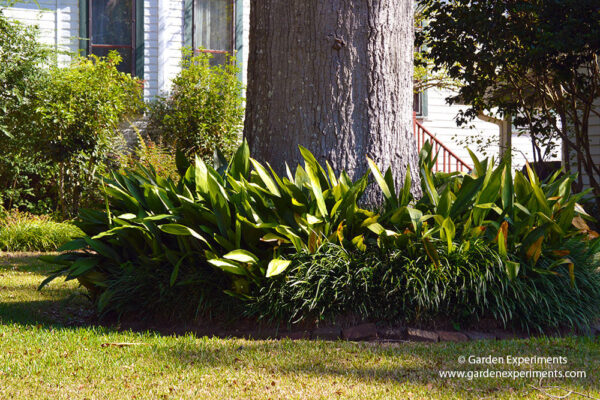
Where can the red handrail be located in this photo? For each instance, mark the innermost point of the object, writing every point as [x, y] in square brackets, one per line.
[450, 161]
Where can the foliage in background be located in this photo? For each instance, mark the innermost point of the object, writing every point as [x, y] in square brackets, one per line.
[204, 110]
[25, 179]
[150, 154]
[65, 133]
[20, 61]
[535, 61]
[425, 76]
[22, 231]
[79, 109]
[473, 246]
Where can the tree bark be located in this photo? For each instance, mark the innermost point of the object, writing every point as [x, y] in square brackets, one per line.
[333, 76]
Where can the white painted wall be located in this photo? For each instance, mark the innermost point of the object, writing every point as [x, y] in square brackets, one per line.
[58, 21]
[170, 42]
[594, 135]
[245, 50]
[441, 122]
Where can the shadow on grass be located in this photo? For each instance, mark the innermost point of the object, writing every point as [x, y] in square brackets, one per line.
[416, 364]
[56, 313]
[407, 363]
[26, 262]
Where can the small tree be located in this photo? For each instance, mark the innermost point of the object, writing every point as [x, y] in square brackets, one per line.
[204, 110]
[535, 60]
[78, 110]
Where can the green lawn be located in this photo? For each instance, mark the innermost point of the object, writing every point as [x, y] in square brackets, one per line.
[46, 354]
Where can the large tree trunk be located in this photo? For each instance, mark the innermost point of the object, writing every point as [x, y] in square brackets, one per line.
[336, 77]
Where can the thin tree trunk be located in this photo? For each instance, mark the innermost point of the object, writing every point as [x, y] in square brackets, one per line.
[336, 77]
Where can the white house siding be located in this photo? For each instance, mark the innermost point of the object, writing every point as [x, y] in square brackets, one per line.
[170, 42]
[594, 135]
[243, 31]
[151, 50]
[441, 122]
[58, 21]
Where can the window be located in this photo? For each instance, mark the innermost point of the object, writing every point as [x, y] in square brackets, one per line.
[418, 104]
[214, 28]
[111, 26]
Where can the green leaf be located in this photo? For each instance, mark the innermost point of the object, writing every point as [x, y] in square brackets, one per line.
[276, 267]
[181, 230]
[81, 266]
[242, 256]
[464, 199]
[379, 178]
[405, 195]
[512, 269]
[240, 163]
[201, 177]
[478, 167]
[265, 178]
[227, 266]
[315, 184]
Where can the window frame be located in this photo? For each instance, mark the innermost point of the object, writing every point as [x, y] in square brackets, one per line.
[89, 34]
[232, 27]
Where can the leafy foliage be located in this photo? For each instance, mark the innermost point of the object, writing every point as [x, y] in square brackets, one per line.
[204, 110]
[24, 178]
[387, 284]
[536, 61]
[300, 246]
[79, 110]
[519, 215]
[67, 133]
[20, 62]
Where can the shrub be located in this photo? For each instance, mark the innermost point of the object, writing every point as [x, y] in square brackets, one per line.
[59, 124]
[204, 110]
[25, 179]
[78, 110]
[21, 231]
[21, 62]
[482, 244]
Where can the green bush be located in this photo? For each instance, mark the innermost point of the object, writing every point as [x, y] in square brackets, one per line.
[26, 232]
[25, 179]
[204, 110]
[21, 61]
[58, 124]
[79, 109]
[475, 245]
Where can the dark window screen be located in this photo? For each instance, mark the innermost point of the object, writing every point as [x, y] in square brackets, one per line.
[112, 28]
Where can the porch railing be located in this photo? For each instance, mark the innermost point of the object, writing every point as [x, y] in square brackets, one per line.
[449, 161]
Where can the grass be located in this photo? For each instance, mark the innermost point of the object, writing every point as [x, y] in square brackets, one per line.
[46, 353]
[21, 231]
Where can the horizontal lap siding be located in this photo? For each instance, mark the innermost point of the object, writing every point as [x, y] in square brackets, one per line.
[594, 135]
[150, 48]
[58, 21]
[441, 122]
